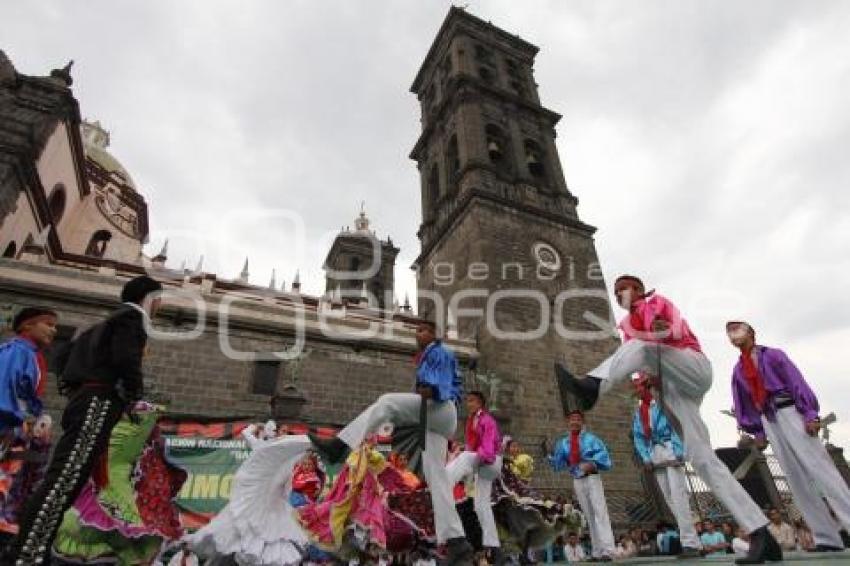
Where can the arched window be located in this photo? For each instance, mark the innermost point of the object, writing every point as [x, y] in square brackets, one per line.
[452, 161]
[534, 159]
[56, 203]
[11, 250]
[498, 149]
[433, 191]
[98, 243]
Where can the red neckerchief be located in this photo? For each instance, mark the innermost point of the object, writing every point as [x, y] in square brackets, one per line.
[41, 361]
[636, 321]
[757, 391]
[575, 450]
[471, 433]
[645, 392]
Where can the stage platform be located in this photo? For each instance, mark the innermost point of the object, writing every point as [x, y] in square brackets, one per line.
[796, 558]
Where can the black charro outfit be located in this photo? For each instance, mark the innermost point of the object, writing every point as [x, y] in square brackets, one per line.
[102, 378]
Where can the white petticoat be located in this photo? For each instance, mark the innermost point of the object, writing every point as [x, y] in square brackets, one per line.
[258, 525]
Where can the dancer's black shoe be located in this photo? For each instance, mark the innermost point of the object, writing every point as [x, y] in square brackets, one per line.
[762, 547]
[458, 552]
[330, 450]
[586, 391]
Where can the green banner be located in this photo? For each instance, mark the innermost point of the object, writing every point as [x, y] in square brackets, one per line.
[211, 464]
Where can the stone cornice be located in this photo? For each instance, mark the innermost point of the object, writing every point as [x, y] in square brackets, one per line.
[396, 333]
[455, 19]
[479, 194]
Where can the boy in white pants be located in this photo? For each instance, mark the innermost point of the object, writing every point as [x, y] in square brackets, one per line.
[774, 403]
[660, 450]
[584, 455]
[438, 382]
[658, 341]
[481, 458]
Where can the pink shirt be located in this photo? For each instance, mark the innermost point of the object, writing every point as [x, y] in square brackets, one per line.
[638, 324]
[486, 440]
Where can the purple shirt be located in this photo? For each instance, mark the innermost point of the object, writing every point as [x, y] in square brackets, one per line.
[780, 377]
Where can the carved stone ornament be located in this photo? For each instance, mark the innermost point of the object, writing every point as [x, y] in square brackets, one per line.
[117, 210]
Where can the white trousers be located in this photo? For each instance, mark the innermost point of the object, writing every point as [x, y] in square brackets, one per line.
[403, 408]
[591, 498]
[674, 486]
[811, 475]
[685, 378]
[468, 463]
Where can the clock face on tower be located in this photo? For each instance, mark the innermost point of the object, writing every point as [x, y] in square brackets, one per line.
[546, 256]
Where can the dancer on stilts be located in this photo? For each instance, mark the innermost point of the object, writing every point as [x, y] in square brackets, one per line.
[660, 450]
[657, 340]
[481, 459]
[774, 403]
[584, 456]
[439, 388]
[105, 368]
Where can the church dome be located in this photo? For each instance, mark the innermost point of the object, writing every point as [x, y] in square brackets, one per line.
[95, 142]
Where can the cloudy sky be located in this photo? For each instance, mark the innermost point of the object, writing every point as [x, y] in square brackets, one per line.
[707, 141]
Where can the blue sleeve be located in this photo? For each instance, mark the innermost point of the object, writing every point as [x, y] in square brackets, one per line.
[594, 450]
[560, 458]
[438, 369]
[639, 440]
[19, 378]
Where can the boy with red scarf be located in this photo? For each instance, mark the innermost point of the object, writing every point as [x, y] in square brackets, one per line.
[23, 368]
[657, 340]
[660, 450]
[481, 458]
[584, 455]
[774, 403]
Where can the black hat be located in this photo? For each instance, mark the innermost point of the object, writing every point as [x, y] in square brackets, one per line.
[29, 313]
[136, 289]
[627, 277]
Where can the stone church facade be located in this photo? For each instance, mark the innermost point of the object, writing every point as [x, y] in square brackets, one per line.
[500, 234]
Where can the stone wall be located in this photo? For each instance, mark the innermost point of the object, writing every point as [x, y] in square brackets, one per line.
[338, 375]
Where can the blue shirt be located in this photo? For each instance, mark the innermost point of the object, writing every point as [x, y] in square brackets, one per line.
[438, 369]
[666, 541]
[19, 375]
[709, 539]
[661, 433]
[592, 450]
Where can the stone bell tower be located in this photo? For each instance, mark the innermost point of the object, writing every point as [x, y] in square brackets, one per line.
[504, 257]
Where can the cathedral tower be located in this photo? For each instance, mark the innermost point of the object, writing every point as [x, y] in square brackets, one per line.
[501, 238]
[359, 266]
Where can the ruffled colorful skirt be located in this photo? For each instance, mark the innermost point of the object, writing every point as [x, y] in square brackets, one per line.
[21, 470]
[126, 510]
[358, 512]
[525, 518]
